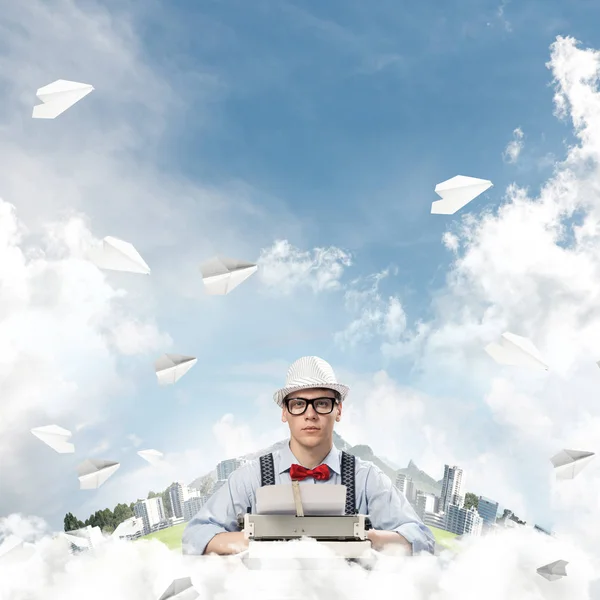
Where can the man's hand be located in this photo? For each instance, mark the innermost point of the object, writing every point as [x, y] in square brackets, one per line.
[230, 542]
[381, 539]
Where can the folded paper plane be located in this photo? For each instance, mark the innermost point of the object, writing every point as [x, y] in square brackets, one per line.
[516, 351]
[569, 463]
[554, 570]
[221, 275]
[117, 255]
[93, 473]
[58, 96]
[56, 437]
[457, 192]
[154, 457]
[170, 368]
[180, 589]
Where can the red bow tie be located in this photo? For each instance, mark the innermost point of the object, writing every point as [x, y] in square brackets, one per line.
[299, 472]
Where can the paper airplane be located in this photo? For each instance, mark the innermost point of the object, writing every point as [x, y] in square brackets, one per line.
[180, 589]
[457, 192]
[56, 437]
[554, 570]
[117, 255]
[93, 473]
[221, 275]
[569, 463]
[154, 457]
[516, 351]
[172, 367]
[58, 96]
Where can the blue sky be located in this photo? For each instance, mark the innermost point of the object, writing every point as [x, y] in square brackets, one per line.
[327, 124]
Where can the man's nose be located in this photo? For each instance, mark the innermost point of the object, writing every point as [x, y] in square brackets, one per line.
[311, 412]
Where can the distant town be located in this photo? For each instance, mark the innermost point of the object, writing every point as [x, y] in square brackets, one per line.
[449, 509]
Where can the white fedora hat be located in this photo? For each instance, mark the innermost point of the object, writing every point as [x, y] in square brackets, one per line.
[310, 372]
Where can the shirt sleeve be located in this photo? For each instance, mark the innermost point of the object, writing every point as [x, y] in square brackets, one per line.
[218, 515]
[389, 510]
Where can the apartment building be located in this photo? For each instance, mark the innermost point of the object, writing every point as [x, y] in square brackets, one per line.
[460, 520]
[152, 513]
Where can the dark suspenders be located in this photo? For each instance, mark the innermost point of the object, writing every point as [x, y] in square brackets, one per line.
[347, 467]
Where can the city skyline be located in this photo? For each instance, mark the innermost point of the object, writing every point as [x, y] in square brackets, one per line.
[187, 500]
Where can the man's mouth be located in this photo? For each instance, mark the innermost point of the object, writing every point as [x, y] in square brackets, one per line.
[311, 429]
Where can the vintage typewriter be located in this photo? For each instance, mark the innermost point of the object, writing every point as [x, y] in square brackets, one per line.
[345, 535]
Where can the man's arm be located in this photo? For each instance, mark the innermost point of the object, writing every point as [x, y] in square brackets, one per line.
[227, 542]
[394, 520]
[215, 527]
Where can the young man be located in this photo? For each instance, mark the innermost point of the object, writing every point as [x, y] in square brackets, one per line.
[311, 404]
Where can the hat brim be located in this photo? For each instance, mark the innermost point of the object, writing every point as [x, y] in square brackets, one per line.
[342, 389]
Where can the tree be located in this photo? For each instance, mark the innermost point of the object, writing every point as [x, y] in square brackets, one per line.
[152, 495]
[206, 485]
[471, 500]
[166, 498]
[71, 522]
[121, 513]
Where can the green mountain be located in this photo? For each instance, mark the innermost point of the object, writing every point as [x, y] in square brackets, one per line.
[421, 480]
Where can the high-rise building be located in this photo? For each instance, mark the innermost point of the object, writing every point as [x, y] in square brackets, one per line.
[424, 503]
[488, 510]
[461, 520]
[178, 493]
[406, 485]
[130, 529]
[434, 520]
[152, 512]
[226, 467]
[192, 506]
[451, 487]
[84, 538]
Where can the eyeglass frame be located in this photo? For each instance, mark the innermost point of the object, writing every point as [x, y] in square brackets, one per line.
[311, 402]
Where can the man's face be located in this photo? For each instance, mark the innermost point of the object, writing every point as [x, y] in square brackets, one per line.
[311, 427]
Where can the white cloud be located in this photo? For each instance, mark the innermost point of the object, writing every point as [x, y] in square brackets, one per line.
[133, 337]
[376, 316]
[513, 149]
[69, 332]
[56, 361]
[135, 440]
[236, 439]
[51, 324]
[494, 567]
[451, 241]
[100, 448]
[532, 270]
[284, 268]
[502, 17]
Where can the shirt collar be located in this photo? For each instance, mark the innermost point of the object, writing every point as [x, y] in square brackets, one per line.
[287, 459]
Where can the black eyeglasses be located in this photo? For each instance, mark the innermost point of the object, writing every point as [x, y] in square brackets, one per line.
[298, 406]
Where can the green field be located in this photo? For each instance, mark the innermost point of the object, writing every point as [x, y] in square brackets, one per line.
[442, 537]
[171, 537]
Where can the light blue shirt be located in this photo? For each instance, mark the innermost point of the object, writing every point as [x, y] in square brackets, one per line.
[376, 496]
